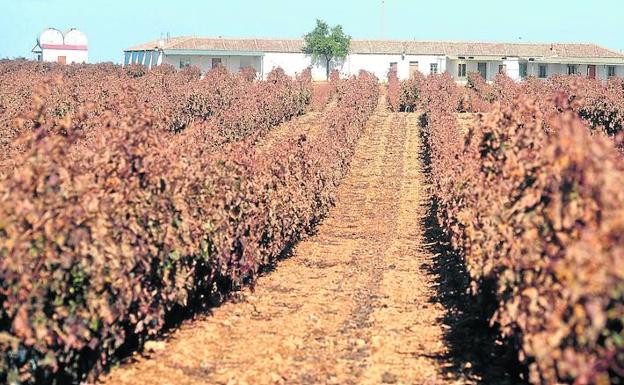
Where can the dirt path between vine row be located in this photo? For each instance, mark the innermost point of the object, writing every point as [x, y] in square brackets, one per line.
[307, 124]
[353, 304]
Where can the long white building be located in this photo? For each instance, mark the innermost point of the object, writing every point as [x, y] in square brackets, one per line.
[377, 56]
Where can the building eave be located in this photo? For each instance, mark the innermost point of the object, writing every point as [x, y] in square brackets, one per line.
[580, 60]
[479, 57]
[155, 48]
[200, 52]
[542, 59]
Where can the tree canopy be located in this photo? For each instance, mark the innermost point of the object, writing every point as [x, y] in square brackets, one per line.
[328, 44]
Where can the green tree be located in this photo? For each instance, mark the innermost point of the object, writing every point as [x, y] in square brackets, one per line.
[327, 43]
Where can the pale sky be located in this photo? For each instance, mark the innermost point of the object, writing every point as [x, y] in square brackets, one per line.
[114, 25]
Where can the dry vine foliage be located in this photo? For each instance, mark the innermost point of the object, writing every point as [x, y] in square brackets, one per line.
[394, 91]
[217, 109]
[532, 201]
[600, 104]
[404, 96]
[101, 241]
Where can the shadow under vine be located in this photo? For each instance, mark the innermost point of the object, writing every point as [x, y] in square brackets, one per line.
[477, 353]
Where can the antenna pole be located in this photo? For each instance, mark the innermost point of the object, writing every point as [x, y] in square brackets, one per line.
[382, 25]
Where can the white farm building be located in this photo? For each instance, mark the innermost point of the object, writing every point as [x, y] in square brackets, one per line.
[65, 48]
[378, 56]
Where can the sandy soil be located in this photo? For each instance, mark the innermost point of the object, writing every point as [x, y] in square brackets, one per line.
[353, 304]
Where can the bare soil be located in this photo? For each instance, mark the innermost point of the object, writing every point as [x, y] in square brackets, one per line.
[465, 120]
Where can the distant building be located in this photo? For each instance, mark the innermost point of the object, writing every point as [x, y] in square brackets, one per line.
[459, 59]
[54, 46]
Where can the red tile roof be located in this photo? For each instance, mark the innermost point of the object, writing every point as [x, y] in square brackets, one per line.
[388, 47]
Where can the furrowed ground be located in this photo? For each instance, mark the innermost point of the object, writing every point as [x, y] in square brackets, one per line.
[356, 303]
[99, 283]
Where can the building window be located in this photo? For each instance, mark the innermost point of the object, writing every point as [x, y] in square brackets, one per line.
[461, 70]
[433, 68]
[482, 69]
[542, 71]
[523, 70]
[185, 63]
[394, 66]
[610, 71]
[572, 69]
[245, 61]
[413, 67]
[502, 69]
[216, 62]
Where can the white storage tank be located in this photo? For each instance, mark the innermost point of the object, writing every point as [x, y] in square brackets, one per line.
[75, 37]
[54, 46]
[50, 37]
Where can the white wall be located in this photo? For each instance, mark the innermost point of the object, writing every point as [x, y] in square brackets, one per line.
[562, 69]
[204, 62]
[551, 69]
[493, 68]
[295, 63]
[72, 56]
[619, 71]
[380, 64]
[471, 66]
[512, 68]
[292, 64]
[376, 64]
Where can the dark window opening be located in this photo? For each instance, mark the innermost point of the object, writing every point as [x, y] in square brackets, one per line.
[482, 69]
[216, 62]
[461, 70]
[523, 70]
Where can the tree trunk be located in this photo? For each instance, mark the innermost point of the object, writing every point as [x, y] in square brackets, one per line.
[328, 60]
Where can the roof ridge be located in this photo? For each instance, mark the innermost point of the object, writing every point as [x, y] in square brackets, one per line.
[390, 40]
[187, 39]
[249, 38]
